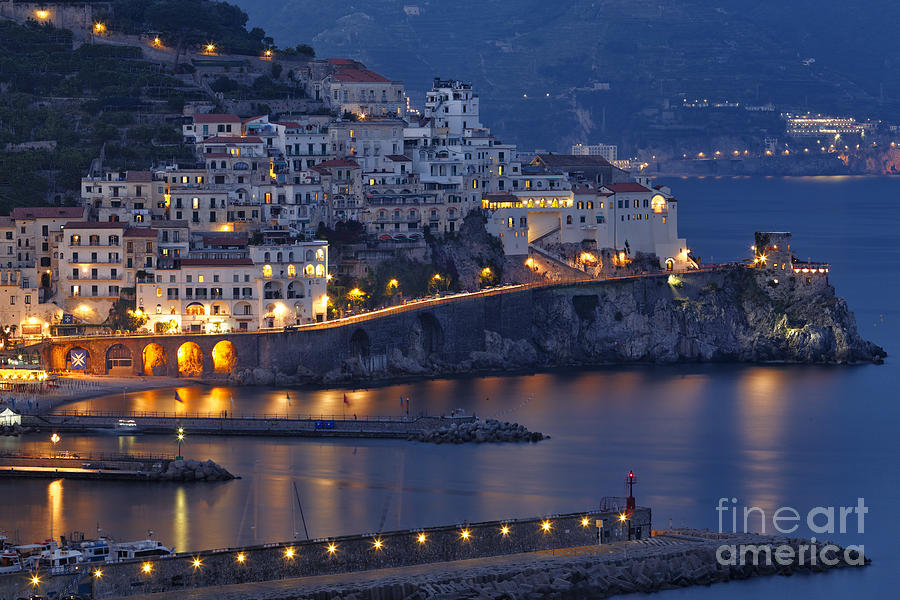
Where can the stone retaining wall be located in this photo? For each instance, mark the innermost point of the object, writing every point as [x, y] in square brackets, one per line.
[351, 553]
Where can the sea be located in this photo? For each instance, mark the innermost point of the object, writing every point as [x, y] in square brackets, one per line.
[697, 436]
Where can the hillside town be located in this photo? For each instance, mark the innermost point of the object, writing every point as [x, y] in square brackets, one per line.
[235, 238]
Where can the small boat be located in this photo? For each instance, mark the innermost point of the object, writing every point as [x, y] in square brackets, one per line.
[95, 550]
[9, 558]
[127, 427]
[53, 559]
[139, 549]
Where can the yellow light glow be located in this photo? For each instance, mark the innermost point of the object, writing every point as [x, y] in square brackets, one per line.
[623, 517]
[504, 531]
[421, 538]
[546, 526]
[210, 47]
[99, 27]
[331, 549]
[585, 521]
[147, 567]
[97, 573]
[377, 544]
[465, 534]
[486, 272]
[42, 14]
[289, 553]
[197, 563]
[158, 42]
[241, 557]
[268, 53]
[393, 283]
[280, 309]
[35, 580]
[529, 262]
[55, 438]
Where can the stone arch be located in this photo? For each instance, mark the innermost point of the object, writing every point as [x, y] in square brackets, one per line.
[78, 358]
[190, 360]
[118, 360]
[670, 264]
[273, 289]
[154, 359]
[195, 309]
[296, 289]
[360, 344]
[224, 357]
[426, 336]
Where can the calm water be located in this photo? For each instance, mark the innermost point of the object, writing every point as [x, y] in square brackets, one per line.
[769, 436]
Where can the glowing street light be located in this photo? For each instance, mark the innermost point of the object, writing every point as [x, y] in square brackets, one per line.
[504, 530]
[377, 544]
[42, 14]
[179, 436]
[210, 48]
[147, 568]
[331, 549]
[197, 563]
[98, 573]
[99, 27]
[546, 526]
[35, 580]
[465, 534]
[289, 552]
[422, 538]
[241, 557]
[585, 521]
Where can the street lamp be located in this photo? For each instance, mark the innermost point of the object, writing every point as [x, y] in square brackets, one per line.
[180, 437]
[54, 439]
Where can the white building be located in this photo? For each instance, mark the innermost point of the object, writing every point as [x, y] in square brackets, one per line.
[276, 286]
[607, 151]
[452, 104]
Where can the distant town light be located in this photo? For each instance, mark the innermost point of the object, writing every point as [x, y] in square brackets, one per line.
[241, 557]
[99, 27]
[623, 517]
[42, 14]
[585, 521]
[35, 580]
[147, 567]
[98, 573]
[422, 538]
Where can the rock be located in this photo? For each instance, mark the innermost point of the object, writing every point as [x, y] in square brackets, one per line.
[263, 376]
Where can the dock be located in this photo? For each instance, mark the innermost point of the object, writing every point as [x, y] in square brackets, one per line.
[320, 426]
[108, 467]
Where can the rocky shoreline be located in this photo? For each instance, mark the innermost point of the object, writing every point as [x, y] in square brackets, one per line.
[479, 432]
[192, 470]
[730, 315]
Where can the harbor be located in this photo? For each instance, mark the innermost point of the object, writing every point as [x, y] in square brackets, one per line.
[443, 428]
[112, 467]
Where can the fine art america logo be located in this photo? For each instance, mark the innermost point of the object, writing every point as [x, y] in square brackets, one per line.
[821, 520]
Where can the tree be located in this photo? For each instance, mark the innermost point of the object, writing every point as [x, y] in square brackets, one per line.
[276, 70]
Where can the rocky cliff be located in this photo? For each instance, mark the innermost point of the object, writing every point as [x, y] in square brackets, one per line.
[737, 314]
[732, 314]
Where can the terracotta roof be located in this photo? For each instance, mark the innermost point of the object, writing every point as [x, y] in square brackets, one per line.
[250, 139]
[341, 61]
[248, 119]
[353, 75]
[147, 232]
[47, 212]
[339, 162]
[292, 124]
[216, 118]
[628, 186]
[139, 176]
[398, 158]
[215, 262]
[96, 225]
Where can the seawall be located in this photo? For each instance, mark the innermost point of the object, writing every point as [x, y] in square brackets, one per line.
[732, 313]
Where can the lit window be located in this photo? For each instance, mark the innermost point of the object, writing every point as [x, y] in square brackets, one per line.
[267, 271]
[200, 278]
[292, 271]
[320, 270]
[195, 203]
[159, 292]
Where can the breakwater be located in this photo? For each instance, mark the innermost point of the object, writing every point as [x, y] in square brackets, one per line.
[347, 554]
[449, 429]
[112, 467]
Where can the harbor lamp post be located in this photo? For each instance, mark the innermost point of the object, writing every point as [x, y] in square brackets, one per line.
[180, 437]
[54, 440]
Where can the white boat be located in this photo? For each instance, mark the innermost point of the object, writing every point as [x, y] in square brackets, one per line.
[127, 427]
[139, 549]
[95, 550]
[52, 558]
[9, 558]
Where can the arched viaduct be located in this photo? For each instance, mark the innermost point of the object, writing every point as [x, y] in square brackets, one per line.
[447, 328]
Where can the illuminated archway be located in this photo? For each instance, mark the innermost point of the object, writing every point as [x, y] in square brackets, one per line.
[224, 357]
[154, 359]
[190, 360]
[118, 360]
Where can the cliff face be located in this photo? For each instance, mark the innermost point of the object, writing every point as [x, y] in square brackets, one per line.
[731, 315]
[739, 314]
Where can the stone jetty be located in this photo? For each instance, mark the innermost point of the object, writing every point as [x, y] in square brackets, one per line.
[479, 432]
[113, 467]
[669, 560]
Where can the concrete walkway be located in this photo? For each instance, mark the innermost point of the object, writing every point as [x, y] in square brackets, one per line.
[303, 586]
